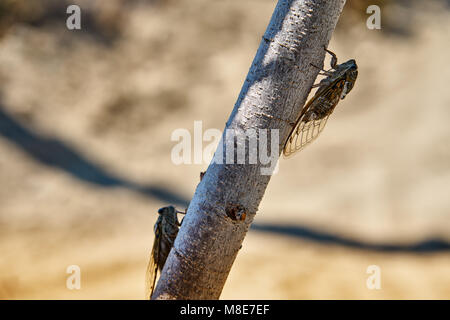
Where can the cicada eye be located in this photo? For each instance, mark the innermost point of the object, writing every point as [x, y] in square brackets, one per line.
[349, 86]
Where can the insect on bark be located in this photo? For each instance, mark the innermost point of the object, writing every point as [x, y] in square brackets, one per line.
[166, 230]
[339, 81]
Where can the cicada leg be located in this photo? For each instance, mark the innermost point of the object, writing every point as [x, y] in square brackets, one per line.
[325, 72]
[333, 61]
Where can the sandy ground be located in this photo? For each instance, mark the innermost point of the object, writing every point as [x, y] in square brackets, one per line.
[85, 127]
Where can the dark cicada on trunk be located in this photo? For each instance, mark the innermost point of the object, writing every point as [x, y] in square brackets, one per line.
[339, 80]
[166, 230]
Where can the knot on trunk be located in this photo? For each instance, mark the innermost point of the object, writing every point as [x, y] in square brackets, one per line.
[236, 212]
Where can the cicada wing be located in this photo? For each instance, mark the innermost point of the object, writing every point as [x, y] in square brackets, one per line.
[152, 268]
[306, 131]
[303, 134]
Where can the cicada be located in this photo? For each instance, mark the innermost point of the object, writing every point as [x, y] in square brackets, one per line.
[339, 81]
[166, 230]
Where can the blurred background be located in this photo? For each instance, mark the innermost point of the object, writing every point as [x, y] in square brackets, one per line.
[85, 123]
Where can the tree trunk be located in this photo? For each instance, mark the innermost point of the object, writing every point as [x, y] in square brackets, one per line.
[228, 196]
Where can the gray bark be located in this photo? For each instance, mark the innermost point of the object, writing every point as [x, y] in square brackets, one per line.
[227, 199]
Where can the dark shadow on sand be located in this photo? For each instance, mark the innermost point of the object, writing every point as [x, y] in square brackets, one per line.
[59, 155]
[299, 232]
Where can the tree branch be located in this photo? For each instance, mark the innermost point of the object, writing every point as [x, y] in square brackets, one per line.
[227, 198]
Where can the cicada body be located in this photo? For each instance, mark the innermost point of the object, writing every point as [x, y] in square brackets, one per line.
[314, 115]
[166, 230]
